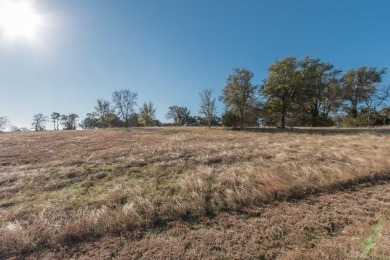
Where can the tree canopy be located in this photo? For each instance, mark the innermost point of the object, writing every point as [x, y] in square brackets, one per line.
[239, 93]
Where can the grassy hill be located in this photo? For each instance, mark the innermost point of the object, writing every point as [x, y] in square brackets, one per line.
[195, 193]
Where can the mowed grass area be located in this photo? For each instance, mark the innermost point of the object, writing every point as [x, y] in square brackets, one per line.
[69, 188]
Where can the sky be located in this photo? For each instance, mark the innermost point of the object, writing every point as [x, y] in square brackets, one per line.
[169, 50]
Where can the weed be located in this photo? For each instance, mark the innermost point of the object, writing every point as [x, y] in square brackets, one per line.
[370, 241]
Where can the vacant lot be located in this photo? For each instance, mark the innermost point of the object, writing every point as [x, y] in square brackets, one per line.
[195, 193]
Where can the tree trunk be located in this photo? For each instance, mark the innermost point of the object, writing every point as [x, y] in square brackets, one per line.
[242, 118]
[283, 119]
[354, 109]
[314, 114]
[369, 117]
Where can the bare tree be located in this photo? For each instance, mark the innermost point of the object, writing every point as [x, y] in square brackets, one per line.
[39, 121]
[207, 105]
[124, 101]
[102, 108]
[375, 100]
[3, 122]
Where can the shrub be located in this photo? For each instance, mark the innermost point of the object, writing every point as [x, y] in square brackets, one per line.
[229, 119]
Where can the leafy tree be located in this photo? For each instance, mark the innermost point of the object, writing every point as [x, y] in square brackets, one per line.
[111, 120]
[56, 119]
[147, 114]
[39, 121]
[69, 121]
[239, 93]
[104, 113]
[102, 117]
[90, 122]
[385, 113]
[283, 87]
[198, 120]
[322, 89]
[124, 101]
[180, 115]
[4, 121]
[230, 119]
[191, 121]
[207, 106]
[358, 85]
[134, 120]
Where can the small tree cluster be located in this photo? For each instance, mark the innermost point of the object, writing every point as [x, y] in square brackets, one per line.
[121, 112]
[68, 122]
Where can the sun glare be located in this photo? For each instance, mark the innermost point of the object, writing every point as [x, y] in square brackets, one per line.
[18, 19]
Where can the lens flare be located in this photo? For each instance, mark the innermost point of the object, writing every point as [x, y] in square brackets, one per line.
[18, 19]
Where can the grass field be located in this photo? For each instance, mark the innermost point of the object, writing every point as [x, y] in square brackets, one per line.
[196, 193]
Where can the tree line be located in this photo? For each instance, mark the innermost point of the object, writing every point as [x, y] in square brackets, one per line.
[306, 92]
[121, 112]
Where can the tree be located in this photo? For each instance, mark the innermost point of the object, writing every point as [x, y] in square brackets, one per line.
[69, 121]
[102, 107]
[385, 113]
[239, 93]
[56, 119]
[207, 105]
[124, 101]
[39, 121]
[104, 113]
[180, 115]
[358, 85]
[90, 122]
[14, 128]
[230, 119]
[134, 119]
[322, 89]
[147, 114]
[4, 121]
[17, 129]
[283, 88]
[375, 100]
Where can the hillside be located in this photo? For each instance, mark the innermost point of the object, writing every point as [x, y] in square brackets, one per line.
[195, 193]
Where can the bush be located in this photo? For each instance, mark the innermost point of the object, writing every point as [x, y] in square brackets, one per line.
[354, 122]
[229, 119]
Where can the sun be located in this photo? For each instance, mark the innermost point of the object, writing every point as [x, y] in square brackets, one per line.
[19, 20]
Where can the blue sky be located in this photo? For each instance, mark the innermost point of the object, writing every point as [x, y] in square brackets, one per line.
[169, 50]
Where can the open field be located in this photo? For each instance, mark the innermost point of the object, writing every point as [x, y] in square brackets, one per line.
[195, 193]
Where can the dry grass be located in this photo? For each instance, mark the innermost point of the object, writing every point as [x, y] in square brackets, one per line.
[59, 188]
